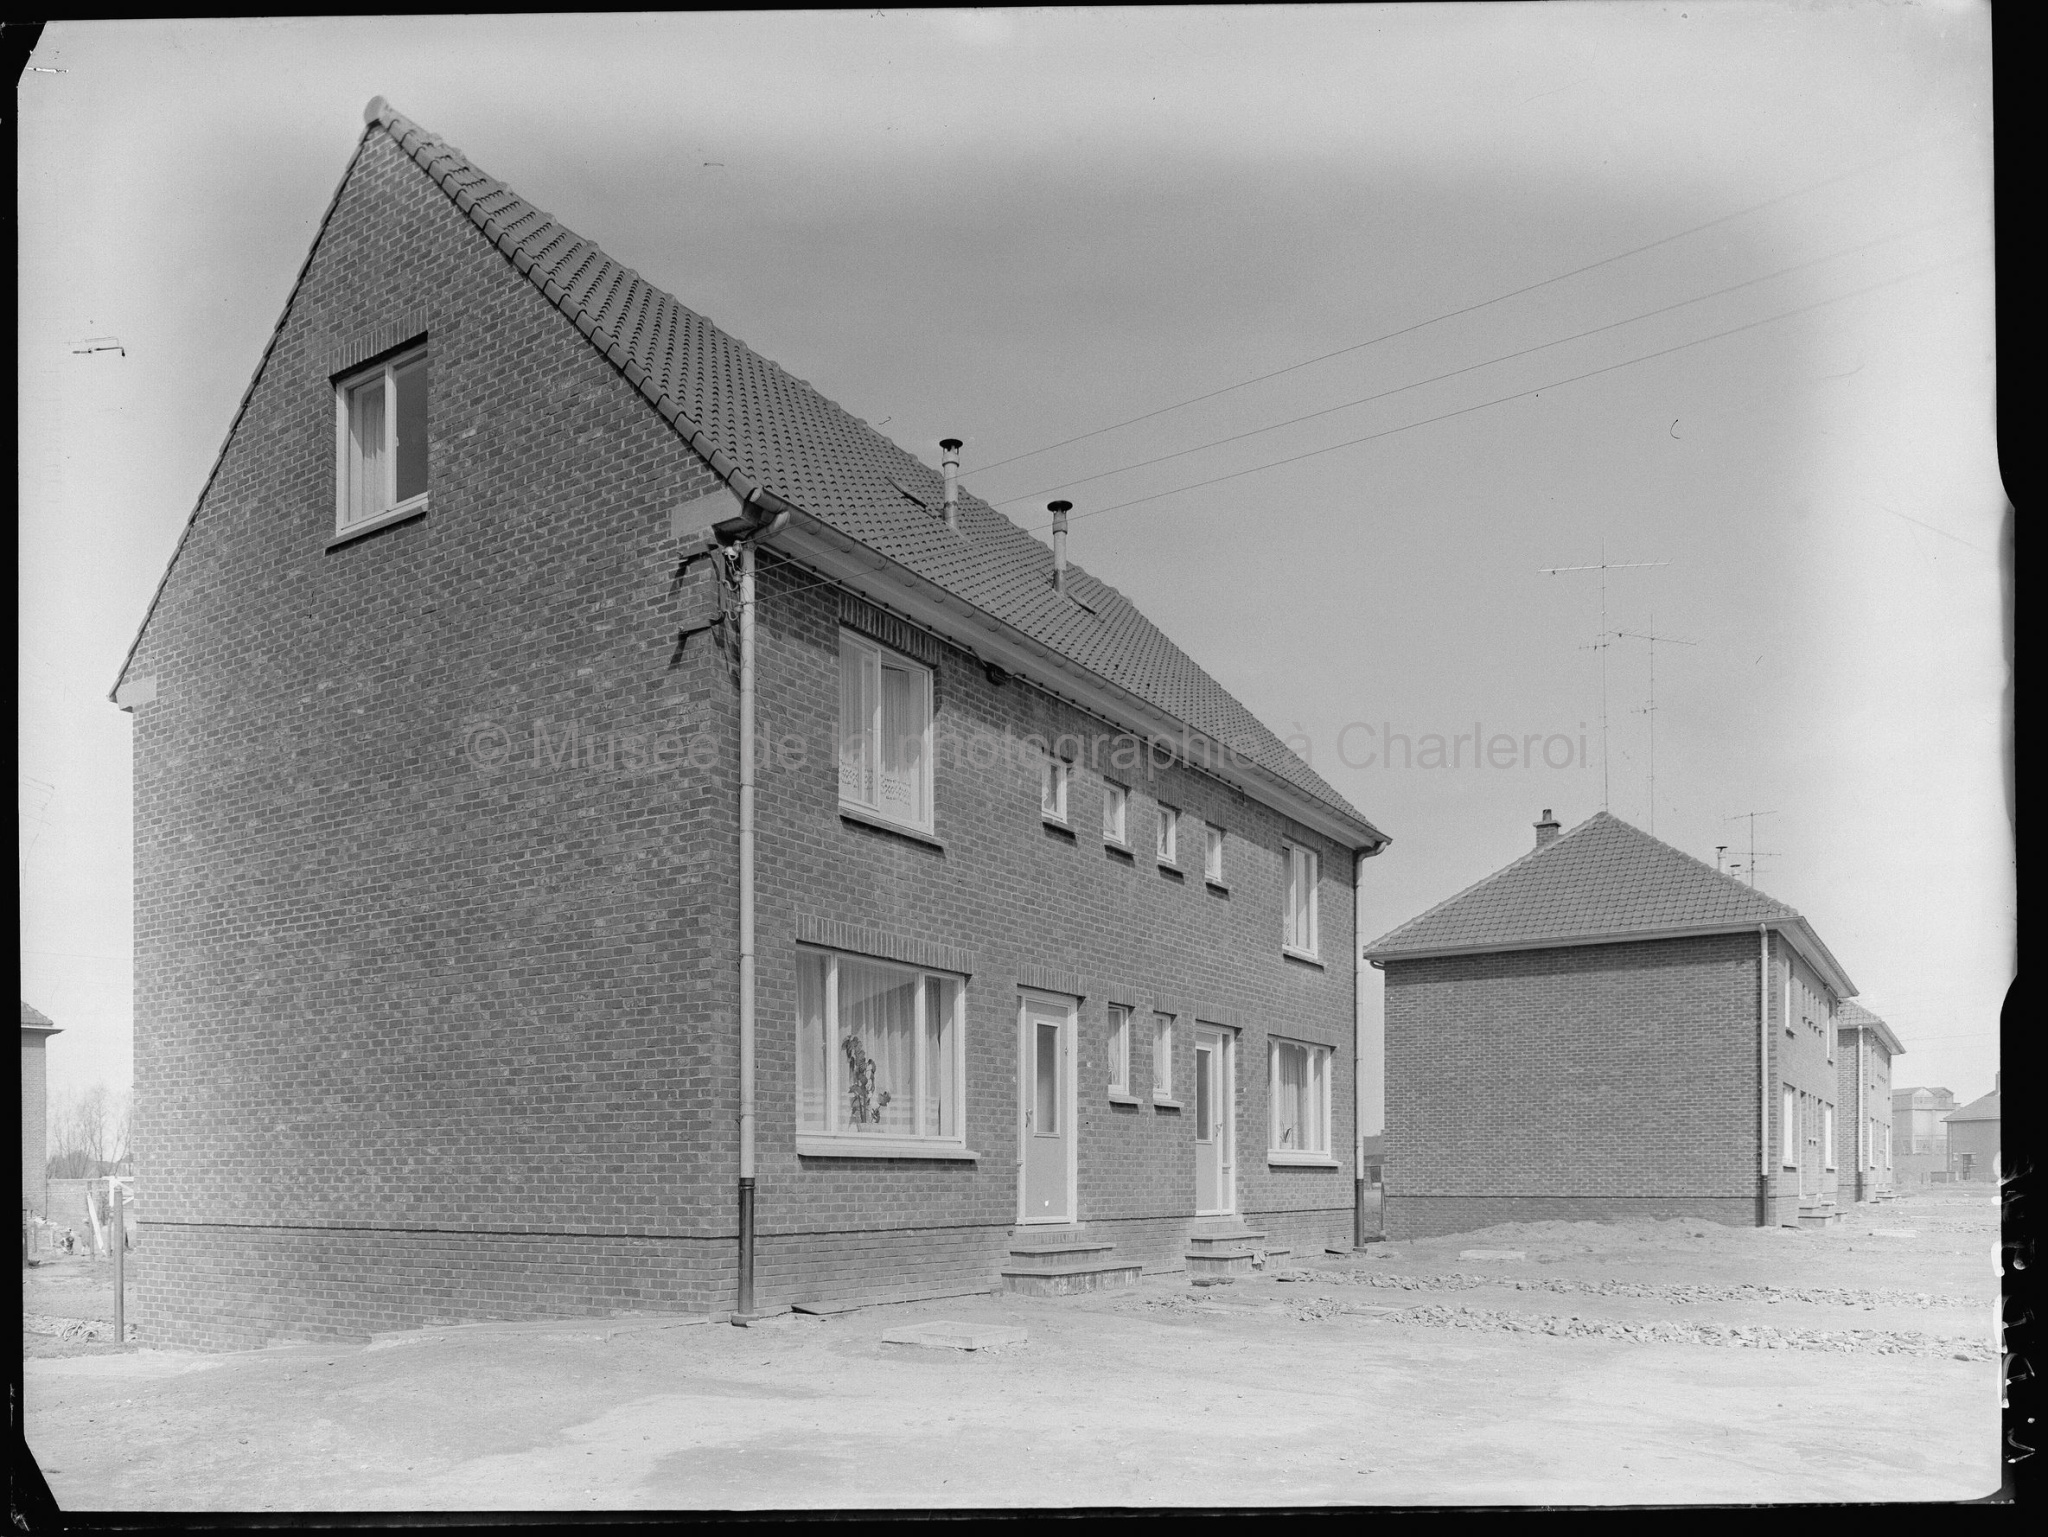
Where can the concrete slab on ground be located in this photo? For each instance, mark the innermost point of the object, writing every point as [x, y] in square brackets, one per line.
[948, 1334]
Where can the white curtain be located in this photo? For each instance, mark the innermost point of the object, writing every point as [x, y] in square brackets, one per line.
[856, 724]
[1291, 1087]
[877, 1046]
[902, 746]
[366, 450]
[941, 1065]
[810, 1040]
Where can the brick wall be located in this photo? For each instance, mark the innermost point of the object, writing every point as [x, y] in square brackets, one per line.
[1602, 1080]
[1863, 1158]
[35, 1142]
[436, 1011]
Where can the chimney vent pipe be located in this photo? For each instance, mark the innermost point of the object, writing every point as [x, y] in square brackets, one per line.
[950, 447]
[1059, 543]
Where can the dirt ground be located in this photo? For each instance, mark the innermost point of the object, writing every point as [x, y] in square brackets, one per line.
[1662, 1362]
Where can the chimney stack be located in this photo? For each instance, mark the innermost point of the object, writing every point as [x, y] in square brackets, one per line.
[1059, 543]
[950, 447]
[1547, 829]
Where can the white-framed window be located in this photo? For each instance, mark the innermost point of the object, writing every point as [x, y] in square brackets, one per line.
[1212, 853]
[1827, 1136]
[885, 733]
[1052, 789]
[1303, 871]
[1788, 1129]
[1300, 1077]
[380, 435]
[1119, 1049]
[880, 1051]
[1162, 1056]
[1116, 814]
[1169, 835]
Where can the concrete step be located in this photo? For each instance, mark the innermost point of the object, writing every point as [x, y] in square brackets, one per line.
[1206, 1262]
[1818, 1216]
[1226, 1238]
[1051, 1256]
[1067, 1280]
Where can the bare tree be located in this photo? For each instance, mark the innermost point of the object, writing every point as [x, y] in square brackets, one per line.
[88, 1133]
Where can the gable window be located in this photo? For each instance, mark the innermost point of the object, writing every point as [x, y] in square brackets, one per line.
[1119, 1049]
[1169, 836]
[1052, 789]
[1162, 1057]
[380, 417]
[878, 1051]
[885, 728]
[1116, 813]
[1788, 1129]
[1302, 873]
[1300, 1077]
[1212, 854]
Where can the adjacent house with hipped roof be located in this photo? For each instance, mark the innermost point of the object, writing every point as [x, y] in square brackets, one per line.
[36, 1030]
[1864, 1051]
[1973, 1133]
[1608, 1029]
[614, 831]
[1920, 1133]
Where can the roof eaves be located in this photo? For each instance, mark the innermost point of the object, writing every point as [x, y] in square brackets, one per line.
[1379, 951]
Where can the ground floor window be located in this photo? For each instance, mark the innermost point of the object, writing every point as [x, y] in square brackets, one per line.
[1300, 1077]
[878, 1048]
[1119, 1049]
[1162, 1056]
[1827, 1136]
[1788, 1129]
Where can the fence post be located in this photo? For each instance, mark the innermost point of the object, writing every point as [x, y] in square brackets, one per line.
[117, 1234]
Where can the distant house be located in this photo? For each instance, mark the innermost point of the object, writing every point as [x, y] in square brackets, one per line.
[1864, 1049]
[36, 1029]
[1920, 1134]
[1608, 1029]
[1025, 957]
[1973, 1138]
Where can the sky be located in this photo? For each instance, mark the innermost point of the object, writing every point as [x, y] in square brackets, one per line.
[1339, 327]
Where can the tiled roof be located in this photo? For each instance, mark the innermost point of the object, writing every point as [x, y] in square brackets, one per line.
[761, 427]
[33, 1016]
[1985, 1109]
[1602, 880]
[1853, 1016]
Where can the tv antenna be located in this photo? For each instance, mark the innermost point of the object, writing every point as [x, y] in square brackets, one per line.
[1754, 852]
[1600, 645]
[1650, 709]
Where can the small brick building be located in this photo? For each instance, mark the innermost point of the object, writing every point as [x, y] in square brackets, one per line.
[36, 1030]
[438, 916]
[1577, 1037]
[1864, 1050]
[1973, 1139]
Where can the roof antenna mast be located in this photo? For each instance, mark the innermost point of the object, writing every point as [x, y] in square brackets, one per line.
[1600, 645]
[1650, 709]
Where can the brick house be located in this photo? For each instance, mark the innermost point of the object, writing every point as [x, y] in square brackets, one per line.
[1864, 1050]
[1920, 1133]
[1973, 1145]
[36, 1030]
[467, 984]
[1578, 1037]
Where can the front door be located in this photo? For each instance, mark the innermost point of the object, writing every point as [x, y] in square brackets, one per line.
[1215, 1095]
[1046, 1176]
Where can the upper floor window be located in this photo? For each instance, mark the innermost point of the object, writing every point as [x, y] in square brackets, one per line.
[1212, 854]
[878, 1049]
[1052, 789]
[1169, 836]
[885, 728]
[1116, 814]
[380, 430]
[1302, 873]
[1119, 1049]
[1301, 1100]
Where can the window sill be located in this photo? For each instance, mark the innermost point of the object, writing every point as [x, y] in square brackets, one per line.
[1166, 1104]
[1307, 958]
[1170, 864]
[1057, 824]
[874, 819]
[1281, 1158]
[1117, 1097]
[1216, 886]
[811, 1144]
[404, 512]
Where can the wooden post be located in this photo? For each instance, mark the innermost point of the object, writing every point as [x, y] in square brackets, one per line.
[117, 1235]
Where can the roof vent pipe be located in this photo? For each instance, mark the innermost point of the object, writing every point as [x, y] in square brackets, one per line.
[1547, 829]
[950, 447]
[1059, 543]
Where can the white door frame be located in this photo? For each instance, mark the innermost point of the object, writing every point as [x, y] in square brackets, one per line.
[1223, 1113]
[1069, 1053]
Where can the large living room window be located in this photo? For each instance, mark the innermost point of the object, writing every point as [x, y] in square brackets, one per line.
[380, 430]
[885, 730]
[1300, 1076]
[879, 1064]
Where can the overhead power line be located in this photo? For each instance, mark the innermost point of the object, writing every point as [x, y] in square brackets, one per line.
[1520, 394]
[1505, 357]
[1605, 261]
